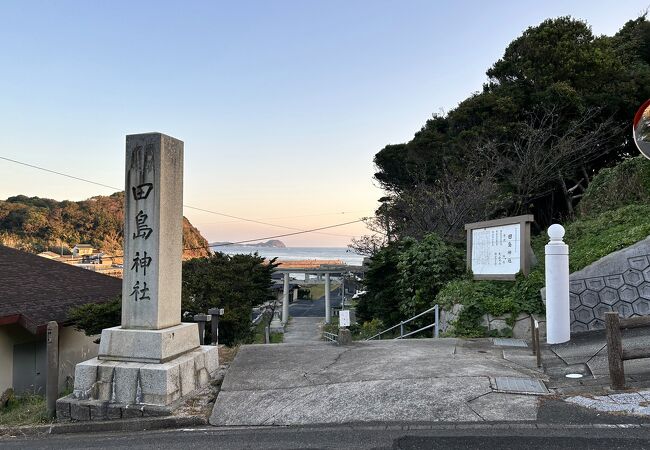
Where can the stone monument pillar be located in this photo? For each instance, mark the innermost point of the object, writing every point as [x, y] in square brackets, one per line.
[152, 360]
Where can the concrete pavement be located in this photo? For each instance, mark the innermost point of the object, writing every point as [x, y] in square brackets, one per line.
[443, 380]
[312, 308]
[302, 330]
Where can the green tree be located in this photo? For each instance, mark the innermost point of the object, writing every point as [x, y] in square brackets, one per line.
[92, 318]
[557, 79]
[423, 269]
[382, 298]
[235, 283]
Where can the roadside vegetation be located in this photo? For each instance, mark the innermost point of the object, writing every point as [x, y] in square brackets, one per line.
[547, 135]
[28, 409]
[259, 336]
[234, 283]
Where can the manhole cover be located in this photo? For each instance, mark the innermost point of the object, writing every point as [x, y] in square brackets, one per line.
[520, 385]
[508, 342]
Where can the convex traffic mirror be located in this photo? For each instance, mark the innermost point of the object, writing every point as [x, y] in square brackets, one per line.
[642, 129]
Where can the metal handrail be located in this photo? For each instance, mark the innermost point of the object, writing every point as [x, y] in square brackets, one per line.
[330, 336]
[417, 331]
[404, 322]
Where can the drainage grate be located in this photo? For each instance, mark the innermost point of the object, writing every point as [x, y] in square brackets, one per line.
[520, 385]
[507, 342]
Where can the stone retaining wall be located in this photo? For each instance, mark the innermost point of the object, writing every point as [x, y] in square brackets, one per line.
[520, 330]
[618, 282]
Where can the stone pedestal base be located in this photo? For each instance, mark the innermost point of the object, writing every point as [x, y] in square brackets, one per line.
[109, 388]
[152, 346]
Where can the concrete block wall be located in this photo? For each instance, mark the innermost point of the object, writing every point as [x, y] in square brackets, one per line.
[618, 282]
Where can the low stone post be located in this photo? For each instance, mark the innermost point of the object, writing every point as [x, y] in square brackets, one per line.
[52, 386]
[201, 319]
[345, 337]
[557, 287]
[215, 313]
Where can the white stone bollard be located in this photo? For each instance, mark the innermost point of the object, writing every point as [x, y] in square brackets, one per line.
[557, 287]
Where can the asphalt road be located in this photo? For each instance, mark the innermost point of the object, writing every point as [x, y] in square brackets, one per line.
[522, 436]
[313, 308]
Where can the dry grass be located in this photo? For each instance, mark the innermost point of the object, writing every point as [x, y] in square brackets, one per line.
[29, 409]
[227, 354]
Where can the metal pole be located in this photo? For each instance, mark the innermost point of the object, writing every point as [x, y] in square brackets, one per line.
[52, 386]
[539, 349]
[436, 329]
[532, 334]
[557, 287]
[401, 329]
[267, 335]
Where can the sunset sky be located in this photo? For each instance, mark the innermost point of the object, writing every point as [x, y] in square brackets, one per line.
[281, 104]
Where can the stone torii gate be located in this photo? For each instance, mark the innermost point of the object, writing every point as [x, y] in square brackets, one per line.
[325, 271]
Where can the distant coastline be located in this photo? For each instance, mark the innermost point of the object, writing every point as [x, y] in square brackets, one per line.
[273, 243]
[295, 253]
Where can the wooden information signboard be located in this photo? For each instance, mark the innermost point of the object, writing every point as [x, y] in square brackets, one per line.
[499, 249]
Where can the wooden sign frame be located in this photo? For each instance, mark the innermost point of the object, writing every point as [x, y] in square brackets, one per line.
[524, 242]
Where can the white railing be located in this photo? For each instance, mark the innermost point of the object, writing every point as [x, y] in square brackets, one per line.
[433, 325]
[330, 336]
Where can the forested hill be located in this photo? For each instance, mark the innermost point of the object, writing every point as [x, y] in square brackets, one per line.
[39, 224]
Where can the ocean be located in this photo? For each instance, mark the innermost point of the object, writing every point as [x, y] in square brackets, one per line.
[295, 253]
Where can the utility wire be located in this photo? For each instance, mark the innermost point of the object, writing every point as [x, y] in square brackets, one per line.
[210, 246]
[186, 206]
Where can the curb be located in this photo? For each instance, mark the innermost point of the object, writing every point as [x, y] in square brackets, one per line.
[153, 423]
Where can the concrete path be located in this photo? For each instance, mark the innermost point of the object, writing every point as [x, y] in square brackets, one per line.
[312, 308]
[303, 330]
[378, 381]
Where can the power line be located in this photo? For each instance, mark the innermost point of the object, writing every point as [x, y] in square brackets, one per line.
[186, 206]
[59, 173]
[251, 220]
[210, 246]
[299, 216]
[288, 234]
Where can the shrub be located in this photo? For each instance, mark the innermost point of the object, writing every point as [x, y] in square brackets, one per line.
[424, 268]
[627, 183]
[497, 298]
[381, 300]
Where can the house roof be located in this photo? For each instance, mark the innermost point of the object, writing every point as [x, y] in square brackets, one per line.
[35, 290]
[48, 254]
[84, 246]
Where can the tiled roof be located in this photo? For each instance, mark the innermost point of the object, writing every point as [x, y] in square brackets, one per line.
[35, 290]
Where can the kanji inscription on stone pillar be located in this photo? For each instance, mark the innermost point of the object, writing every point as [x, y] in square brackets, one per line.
[153, 232]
